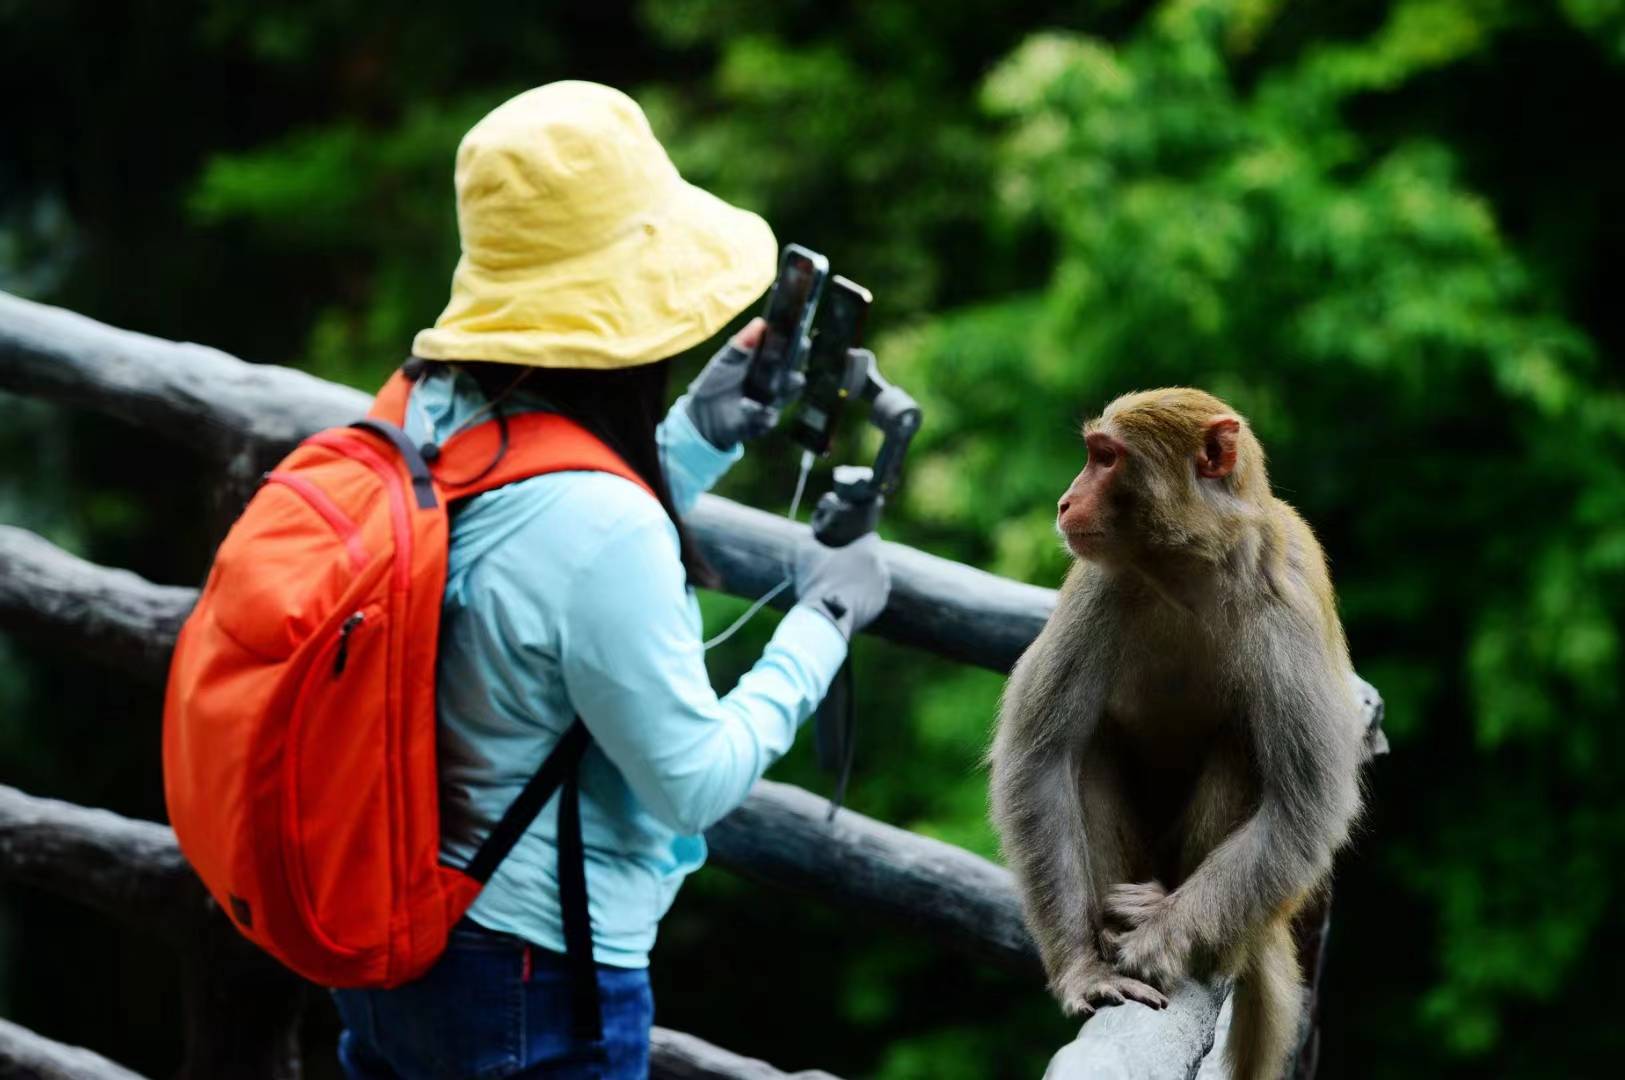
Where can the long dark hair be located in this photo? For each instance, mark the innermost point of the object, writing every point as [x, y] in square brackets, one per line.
[622, 407]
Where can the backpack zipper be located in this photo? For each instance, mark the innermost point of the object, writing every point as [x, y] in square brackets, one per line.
[339, 658]
[357, 450]
[319, 501]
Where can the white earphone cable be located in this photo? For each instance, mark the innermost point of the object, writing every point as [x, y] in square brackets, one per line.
[763, 600]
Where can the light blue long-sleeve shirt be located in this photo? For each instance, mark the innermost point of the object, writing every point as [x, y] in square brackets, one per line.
[565, 595]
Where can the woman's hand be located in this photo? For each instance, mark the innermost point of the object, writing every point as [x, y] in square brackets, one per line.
[848, 585]
[716, 398]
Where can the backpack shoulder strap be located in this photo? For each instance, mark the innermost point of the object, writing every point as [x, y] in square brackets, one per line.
[390, 403]
[559, 772]
[505, 449]
[511, 448]
[559, 765]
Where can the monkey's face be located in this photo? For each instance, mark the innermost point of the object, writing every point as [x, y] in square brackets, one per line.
[1087, 516]
[1160, 480]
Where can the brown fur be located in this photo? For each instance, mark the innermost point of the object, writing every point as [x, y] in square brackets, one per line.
[1184, 717]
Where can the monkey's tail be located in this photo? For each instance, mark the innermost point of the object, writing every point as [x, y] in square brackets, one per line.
[1265, 1006]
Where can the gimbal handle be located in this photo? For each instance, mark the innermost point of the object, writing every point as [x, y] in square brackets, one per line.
[853, 507]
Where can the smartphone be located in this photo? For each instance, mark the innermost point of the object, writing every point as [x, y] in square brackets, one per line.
[789, 314]
[832, 379]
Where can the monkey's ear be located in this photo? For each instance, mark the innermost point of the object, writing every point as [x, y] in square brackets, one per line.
[1217, 458]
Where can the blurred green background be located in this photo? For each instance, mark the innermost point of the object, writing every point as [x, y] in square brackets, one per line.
[1381, 230]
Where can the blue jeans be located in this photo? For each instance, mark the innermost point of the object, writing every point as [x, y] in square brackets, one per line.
[494, 1006]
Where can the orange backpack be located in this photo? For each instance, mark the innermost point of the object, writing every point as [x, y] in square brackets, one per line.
[299, 723]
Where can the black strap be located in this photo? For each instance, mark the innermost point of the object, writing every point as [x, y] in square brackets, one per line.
[586, 1013]
[836, 732]
[560, 764]
[422, 483]
[560, 772]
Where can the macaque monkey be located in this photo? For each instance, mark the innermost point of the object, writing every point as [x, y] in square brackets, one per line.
[1178, 752]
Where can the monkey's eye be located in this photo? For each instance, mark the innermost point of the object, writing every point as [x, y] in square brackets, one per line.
[1103, 450]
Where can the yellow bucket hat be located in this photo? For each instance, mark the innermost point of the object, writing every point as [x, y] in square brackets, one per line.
[582, 247]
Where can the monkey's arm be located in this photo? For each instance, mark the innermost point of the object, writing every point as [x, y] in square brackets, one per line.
[1048, 716]
[1300, 720]
[1039, 815]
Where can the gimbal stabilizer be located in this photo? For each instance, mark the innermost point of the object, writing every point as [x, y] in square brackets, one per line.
[837, 373]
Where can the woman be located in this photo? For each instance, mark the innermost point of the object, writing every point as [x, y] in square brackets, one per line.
[587, 263]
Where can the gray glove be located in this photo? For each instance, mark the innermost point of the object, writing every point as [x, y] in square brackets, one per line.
[847, 585]
[718, 406]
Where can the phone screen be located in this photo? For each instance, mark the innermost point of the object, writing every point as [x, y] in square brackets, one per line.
[832, 380]
[789, 315]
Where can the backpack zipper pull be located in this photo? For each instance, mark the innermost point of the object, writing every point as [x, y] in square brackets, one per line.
[339, 658]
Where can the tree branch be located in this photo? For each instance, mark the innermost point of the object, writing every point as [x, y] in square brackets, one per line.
[131, 870]
[676, 1056]
[25, 1054]
[196, 394]
[780, 837]
[114, 615]
[1133, 1042]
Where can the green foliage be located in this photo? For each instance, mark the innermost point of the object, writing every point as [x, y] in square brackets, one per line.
[348, 191]
[1603, 19]
[819, 131]
[1380, 230]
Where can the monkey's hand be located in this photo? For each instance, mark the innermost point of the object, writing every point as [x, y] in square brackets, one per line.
[1152, 947]
[1090, 984]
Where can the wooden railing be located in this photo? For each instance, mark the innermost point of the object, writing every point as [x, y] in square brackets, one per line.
[242, 1009]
